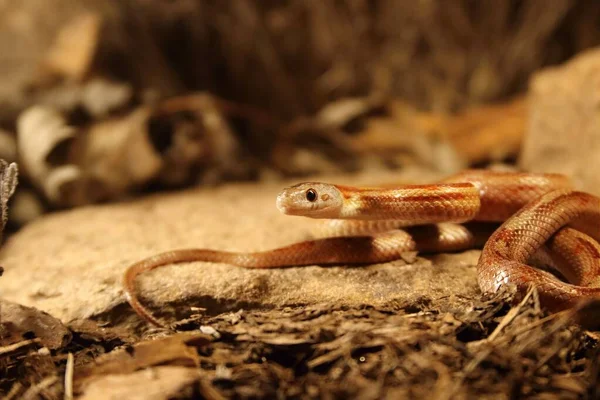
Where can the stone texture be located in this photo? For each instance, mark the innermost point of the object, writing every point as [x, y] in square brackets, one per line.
[70, 264]
[564, 122]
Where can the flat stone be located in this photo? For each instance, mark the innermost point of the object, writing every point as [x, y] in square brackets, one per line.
[70, 264]
[563, 134]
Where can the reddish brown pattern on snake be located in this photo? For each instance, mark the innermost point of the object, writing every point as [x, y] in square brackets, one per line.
[504, 256]
[575, 255]
[475, 195]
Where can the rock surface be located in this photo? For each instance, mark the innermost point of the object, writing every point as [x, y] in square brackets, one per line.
[70, 264]
[564, 123]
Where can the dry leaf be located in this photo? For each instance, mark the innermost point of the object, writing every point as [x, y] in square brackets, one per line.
[118, 155]
[97, 96]
[105, 162]
[204, 147]
[158, 383]
[74, 47]
[175, 350]
[320, 144]
[44, 143]
[404, 135]
[341, 112]
[489, 133]
[19, 322]
[363, 132]
[100, 96]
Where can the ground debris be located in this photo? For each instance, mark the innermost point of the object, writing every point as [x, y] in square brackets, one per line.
[155, 383]
[19, 323]
[172, 350]
[485, 348]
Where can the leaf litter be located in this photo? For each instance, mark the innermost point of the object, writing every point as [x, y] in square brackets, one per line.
[483, 348]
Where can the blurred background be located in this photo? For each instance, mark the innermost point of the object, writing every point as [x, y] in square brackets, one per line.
[102, 101]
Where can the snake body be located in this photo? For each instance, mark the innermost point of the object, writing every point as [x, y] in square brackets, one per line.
[385, 222]
[503, 260]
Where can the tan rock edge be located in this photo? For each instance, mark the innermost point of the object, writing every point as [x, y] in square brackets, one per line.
[70, 264]
[563, 133]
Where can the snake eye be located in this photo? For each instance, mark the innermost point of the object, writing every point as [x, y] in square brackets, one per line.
[311, 195]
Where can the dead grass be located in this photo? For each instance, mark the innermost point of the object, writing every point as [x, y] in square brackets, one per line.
[484, 349]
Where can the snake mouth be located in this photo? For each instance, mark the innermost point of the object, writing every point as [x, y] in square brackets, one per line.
[283, 204]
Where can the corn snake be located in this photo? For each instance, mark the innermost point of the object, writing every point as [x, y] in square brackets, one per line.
[543, 218]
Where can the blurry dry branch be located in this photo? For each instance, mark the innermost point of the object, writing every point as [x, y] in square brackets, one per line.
[489, 133]
[355, 133]
[293, 57]
[352, 133]
[74, 48]
[311, 87]
[8, 184]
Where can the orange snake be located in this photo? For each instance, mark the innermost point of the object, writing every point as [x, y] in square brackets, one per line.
[544, 220]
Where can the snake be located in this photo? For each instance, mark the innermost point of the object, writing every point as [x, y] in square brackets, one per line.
[522, 220]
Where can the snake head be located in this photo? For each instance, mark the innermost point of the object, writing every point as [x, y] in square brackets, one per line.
[311, 199]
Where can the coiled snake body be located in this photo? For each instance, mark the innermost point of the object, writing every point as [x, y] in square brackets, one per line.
[544, 219]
